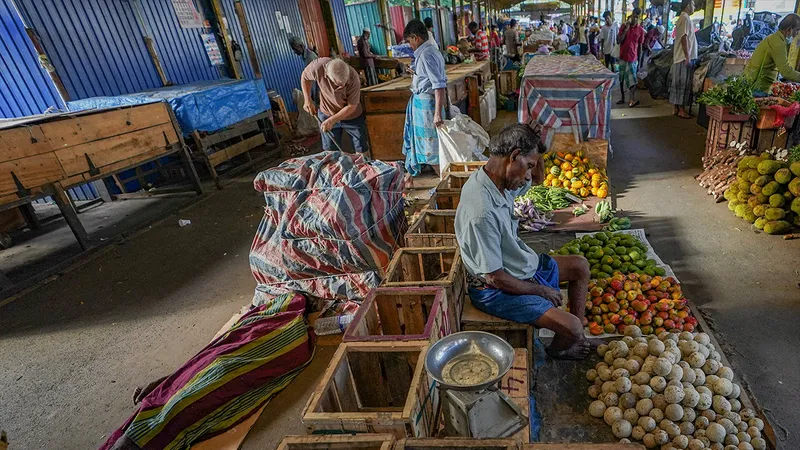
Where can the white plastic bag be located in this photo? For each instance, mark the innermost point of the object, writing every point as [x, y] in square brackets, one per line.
[461, 139]
[306, 124]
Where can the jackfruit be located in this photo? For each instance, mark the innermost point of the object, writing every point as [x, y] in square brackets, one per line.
[777, 227]
[743, 185]
[745, 162]
[788, 196]
[752, 175]
[794, 187]
[761, 198]
[734, 188]
[743, 196]
[777, 200]
[749, 216]
[740, 210]
[795, 168]
[752, 202]
[774, 214]
[796, 220]
[762, 180]
[759, 210]
[783, 176]
[728, 194]
[768, 166]
[796, 205]
[755, 189]
[760, 222]
[770, 188]
[733, 204]
[765, 155]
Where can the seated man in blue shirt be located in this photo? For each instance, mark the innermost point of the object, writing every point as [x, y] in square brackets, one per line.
[507, 278]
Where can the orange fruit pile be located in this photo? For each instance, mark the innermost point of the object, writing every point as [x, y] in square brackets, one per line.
[575, 172]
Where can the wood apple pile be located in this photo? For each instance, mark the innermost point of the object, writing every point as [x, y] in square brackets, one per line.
[671, 392]
[652, 303]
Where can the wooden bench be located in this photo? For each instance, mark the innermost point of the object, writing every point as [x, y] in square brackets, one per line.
[519, 335]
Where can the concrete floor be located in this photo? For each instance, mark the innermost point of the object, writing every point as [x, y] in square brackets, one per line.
[73, 350]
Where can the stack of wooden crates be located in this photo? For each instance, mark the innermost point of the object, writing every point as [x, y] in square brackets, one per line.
[376, 381]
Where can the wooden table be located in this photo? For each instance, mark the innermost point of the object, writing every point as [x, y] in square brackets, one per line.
[385, 105]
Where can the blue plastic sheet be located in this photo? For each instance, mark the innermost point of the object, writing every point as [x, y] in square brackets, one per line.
[203, 106]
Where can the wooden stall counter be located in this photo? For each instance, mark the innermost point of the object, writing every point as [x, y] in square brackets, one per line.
[385, 105]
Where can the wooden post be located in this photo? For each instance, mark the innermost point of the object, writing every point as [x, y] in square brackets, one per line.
[248, 39]
[708, 13]
[461, 19]
[148, 42]
[438, 19]
[478, 9]
[383, 10]
[417, 10]
[70, 215]
[223, 30]
[48, 66]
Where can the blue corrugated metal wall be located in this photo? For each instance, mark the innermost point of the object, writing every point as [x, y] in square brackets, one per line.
[280, 67]
[96, 45]
[236, 31]
[447, 24]
[365, 15]
[342, 27]
[180, 50]
[25, 88]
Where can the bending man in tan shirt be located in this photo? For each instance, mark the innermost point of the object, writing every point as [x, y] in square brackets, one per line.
[339, 102]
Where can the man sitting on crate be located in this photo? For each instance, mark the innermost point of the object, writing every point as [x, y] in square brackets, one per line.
[507, 278]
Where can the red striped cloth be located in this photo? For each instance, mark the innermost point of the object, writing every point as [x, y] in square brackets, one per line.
[481, 45]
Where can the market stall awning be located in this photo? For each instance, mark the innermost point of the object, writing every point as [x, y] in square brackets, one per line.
[567, 94]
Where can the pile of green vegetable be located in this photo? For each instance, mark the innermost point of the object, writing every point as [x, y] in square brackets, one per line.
[766, 193]
[548, 199]
[609, 252]
[736, 93]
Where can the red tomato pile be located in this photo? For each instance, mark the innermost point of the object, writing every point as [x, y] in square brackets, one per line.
[655, 304]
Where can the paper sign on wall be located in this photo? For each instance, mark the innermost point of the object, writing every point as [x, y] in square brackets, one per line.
[279, 18]
[212, 49]
[187, 14]
[286, 24]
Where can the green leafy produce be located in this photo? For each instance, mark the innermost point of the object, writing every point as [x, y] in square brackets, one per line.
[548, 199]
[603, 210]
[736, 92]
[794, 156]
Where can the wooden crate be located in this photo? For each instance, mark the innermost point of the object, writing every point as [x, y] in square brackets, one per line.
[519, 335]
[433, 228]
[444, 200]
[724, 128]
[241, 138]
[595, 149]
[516, 382]
[453, 181]
[765, 139]
[432, 267]
[508, 82]
[338, 442]
[400, 314]
[374, 387]
[455, 444]
[464, 166]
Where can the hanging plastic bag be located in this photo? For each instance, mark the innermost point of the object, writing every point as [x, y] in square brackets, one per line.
[306, 124]
[461, 139]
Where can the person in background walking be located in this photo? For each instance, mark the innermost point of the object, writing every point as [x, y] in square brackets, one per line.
[340, 102]
[299, 48]
[631, 38]
[608, 39]
[431, 34]
[683, 58]
[426, 107]
[511, 40]
[367, 58]
[481, 42]
[583, 41]
[494, 37]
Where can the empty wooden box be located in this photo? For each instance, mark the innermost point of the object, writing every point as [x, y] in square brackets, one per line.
[463, 166]
[519, 335]
[374, 387]
[455, 444]
[444, 200]
[338, 442]
[431, 267]
[453, 181]
[433, 228]
[400, 314]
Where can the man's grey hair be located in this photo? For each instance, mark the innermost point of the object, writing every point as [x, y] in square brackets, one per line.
[338, 71]
[520, 136]
[295, 40]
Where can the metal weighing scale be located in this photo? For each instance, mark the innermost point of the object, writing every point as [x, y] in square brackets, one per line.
[468, 367]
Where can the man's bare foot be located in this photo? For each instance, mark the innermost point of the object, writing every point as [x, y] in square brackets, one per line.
[125, 443]
[579, 350]
[141, 392]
